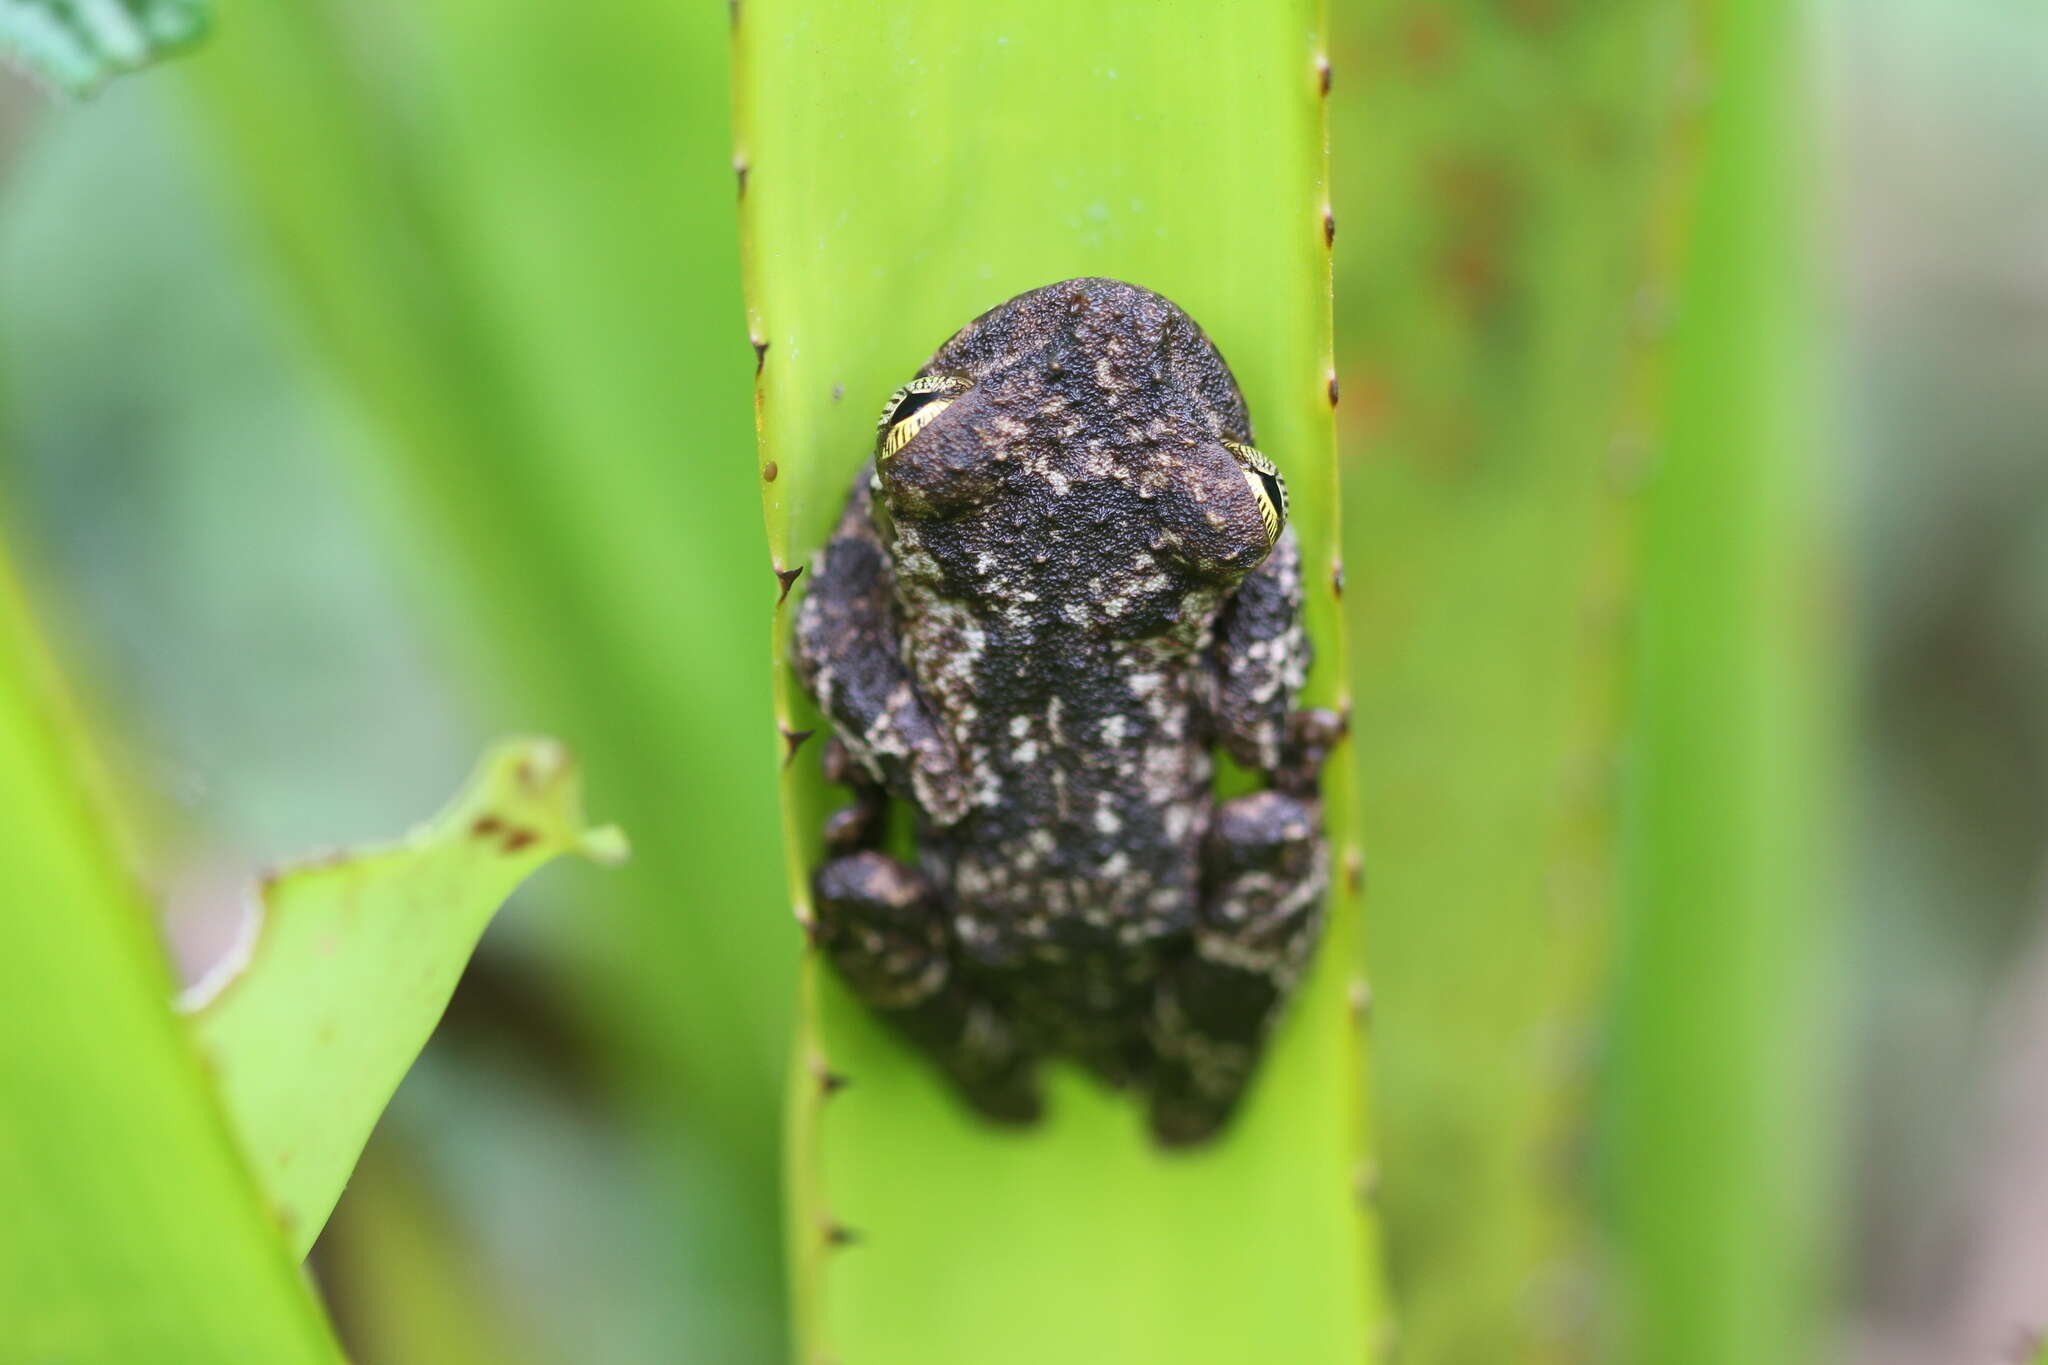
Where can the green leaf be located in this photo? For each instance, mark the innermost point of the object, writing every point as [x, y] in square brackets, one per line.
[133, 1229]
[552, 386]
[905, 169]
[394, 1252]
[1509, 214]
[80, 44]
[347, 963]
[1721, 1103]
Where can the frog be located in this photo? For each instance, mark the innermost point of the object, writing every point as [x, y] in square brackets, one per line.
[1062, 585]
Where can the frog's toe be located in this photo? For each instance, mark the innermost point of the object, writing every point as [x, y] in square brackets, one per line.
[1015, 1100]
[1184, 1118]
[882, 927]
[980, 1049]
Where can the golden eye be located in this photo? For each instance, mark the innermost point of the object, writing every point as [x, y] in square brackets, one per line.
[1266, 484]
[911, 409]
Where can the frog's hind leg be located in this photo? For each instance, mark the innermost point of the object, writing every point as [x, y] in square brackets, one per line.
[885, 929]
[1264, 873]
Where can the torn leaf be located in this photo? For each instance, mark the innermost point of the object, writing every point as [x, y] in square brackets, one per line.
[346, 963]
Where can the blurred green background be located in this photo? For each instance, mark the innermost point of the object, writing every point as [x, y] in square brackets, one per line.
[376, 381]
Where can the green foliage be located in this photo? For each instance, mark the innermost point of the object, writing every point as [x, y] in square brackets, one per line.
[1579, 451]
[134, 1232]
[1575, 441]
[309, 1026]
[1720, 1100]
[80, 44]
[515, 246]
[1511, 196]
[905, 170]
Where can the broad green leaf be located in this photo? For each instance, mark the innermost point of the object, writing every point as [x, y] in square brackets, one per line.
[1720, 1102]
[1512, 196]
[80, 44]
[346, 963]
[133, 1229]
[904, 169]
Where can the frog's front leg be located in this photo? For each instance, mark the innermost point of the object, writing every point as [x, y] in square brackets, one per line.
[883, 925]
[885, 929]
[848, 656]
[1264, 871]
[1261, 659]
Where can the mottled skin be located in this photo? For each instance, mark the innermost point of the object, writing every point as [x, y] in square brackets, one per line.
[1032, 627]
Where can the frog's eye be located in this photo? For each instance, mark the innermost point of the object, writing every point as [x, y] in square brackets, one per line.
[911, 409]
[1266, 484]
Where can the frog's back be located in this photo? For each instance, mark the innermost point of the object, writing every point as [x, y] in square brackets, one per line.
[1058, 606]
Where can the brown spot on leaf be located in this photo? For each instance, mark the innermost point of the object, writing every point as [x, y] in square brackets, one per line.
[1479, 203]
[1333, 388]
[760, 345]
[839, 1235]
[518, 839]
[739, 170]
[1337, 577]
[769, 471]
[1322, 74]
[788, 578]
[1329, 226]
[1427, 40]
[486, 826]
[1475, 275]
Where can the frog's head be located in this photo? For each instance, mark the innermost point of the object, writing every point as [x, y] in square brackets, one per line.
[1087, 421]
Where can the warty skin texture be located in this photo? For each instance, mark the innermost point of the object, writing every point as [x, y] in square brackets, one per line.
[1037, 621]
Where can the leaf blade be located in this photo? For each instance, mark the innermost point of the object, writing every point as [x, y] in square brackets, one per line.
[352, 960]
[1088, 1242]
[135, 1232]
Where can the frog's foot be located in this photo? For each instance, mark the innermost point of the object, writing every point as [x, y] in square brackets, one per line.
[863, 822]
[1311, 735]
[885, 931]
[1265, 868]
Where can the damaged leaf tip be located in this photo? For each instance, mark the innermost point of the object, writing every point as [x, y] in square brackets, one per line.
[346, 962]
